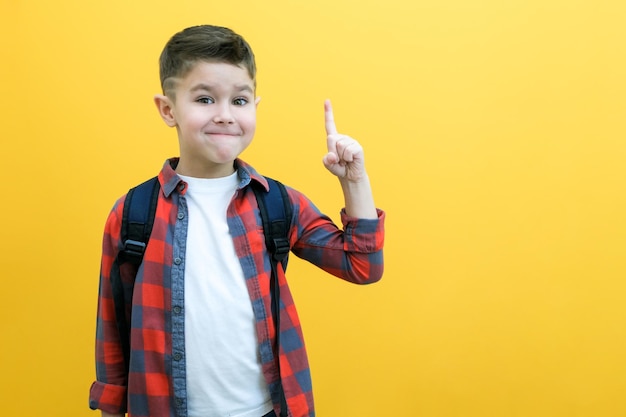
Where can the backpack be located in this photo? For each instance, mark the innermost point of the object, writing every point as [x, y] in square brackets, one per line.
[137, 220]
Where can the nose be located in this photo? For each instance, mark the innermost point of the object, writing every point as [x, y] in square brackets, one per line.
[223, 115]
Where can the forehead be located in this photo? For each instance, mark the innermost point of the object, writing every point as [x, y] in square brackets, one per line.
[216, 74]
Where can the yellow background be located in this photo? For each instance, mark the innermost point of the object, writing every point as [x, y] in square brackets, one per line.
[494, 133]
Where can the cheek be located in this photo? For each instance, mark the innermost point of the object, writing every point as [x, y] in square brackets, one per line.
[248, 122]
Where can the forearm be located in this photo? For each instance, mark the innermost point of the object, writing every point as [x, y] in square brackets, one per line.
[359, 200]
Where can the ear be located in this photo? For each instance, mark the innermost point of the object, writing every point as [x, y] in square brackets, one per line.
[166, 109]
[256, 101]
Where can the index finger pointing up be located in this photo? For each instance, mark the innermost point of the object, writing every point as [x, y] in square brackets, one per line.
[331, 129]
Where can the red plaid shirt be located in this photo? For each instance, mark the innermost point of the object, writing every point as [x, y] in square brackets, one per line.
[155, 385]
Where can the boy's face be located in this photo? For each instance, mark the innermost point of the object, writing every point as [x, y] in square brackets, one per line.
[214, 112]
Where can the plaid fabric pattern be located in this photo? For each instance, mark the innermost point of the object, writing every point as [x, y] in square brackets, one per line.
[156, 385]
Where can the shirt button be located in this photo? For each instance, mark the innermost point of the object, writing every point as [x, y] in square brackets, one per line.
[180, 216]
[179, 401]
[177, 356]
[177, 309]
[177, 261]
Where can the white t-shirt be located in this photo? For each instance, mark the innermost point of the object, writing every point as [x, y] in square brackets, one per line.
[224, 375]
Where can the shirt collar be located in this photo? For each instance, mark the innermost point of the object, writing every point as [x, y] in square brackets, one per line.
[170, 181]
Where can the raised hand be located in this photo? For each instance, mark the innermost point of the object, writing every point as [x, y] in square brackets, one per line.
[345, 155]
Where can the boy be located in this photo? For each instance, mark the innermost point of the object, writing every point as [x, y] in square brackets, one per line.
[202, 333]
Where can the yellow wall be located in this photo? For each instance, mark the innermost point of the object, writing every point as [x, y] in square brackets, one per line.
[495, 138]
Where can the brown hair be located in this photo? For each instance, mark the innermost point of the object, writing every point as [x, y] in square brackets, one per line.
[203, 43]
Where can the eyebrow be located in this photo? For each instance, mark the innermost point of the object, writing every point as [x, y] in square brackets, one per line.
[207, 87]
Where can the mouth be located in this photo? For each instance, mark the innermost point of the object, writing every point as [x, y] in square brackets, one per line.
[226, 134]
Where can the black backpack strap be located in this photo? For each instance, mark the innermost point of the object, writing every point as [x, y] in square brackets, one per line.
[137, 220]
[276, 212]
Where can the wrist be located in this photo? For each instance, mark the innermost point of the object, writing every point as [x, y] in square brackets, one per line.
[355, 181]
[359, 201]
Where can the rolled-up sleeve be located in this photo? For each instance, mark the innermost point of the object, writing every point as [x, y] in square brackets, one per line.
[107, 397]
[353, 253]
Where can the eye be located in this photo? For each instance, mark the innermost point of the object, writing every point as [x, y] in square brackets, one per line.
[205, 100]
[240, 101]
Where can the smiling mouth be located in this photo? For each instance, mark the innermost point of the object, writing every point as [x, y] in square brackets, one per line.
[222, 134]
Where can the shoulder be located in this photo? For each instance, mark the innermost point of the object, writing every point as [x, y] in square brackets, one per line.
[249, 175]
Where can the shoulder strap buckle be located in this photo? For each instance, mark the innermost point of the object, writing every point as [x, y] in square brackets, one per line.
[280, 248]
[134, 250]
